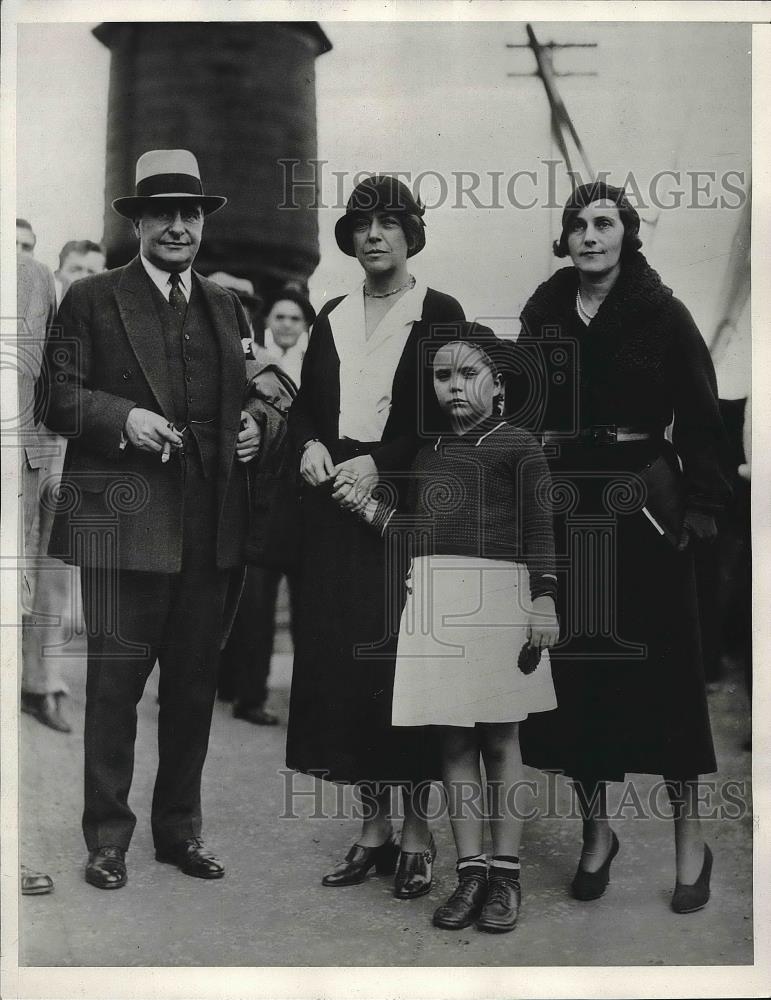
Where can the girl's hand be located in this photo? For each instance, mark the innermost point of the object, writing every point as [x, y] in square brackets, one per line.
[355, 479]
[543, 629]
[316, 464]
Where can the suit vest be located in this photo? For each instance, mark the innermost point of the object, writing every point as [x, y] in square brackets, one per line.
[193, 361]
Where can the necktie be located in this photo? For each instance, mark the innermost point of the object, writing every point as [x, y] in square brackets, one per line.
[177, 299]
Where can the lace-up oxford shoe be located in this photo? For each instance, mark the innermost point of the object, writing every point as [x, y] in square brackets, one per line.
[106, 868]
[192, 858]
[501, 908]
[464, 906]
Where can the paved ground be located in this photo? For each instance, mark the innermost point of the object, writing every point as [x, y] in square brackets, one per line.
[271, 910]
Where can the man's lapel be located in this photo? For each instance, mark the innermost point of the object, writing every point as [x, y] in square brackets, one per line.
[143, 328]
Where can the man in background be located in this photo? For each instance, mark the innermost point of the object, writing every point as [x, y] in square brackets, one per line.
[36, 309]
[77, 259]
[47, 601]
[25, 238]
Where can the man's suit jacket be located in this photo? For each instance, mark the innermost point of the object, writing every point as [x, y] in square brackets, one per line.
[106, 358]
[36, 309]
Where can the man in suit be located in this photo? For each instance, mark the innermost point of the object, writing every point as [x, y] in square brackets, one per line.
[147, 381]
[47, 617]
[41, 684]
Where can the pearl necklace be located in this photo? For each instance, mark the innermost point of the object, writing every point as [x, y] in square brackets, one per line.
[384, 295]
[582, 310]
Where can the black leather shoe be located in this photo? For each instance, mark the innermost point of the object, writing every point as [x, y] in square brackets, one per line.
[501, 908]
[106, 868]
[258, 715]
[415, 872]
[35, 883]
[591, 885]
[464, 906]
[192, 858]
[689, 898]
[359, 860]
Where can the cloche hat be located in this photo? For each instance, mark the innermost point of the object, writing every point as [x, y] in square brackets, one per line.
[167, 174]
[384, 193]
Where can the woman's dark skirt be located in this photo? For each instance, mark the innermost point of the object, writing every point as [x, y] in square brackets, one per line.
[628, 671]
[342, 683]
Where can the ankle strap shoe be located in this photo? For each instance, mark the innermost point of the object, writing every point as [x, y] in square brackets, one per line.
[415, 872]
[359, 860]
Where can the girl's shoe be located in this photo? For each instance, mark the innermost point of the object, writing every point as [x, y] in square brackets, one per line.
[591, 885]
[359, 860]
[501, 908]
[465, 904]
[689, 898]
[415, 872]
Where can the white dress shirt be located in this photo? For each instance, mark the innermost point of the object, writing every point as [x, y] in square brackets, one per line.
[162, 279]
[367, 367]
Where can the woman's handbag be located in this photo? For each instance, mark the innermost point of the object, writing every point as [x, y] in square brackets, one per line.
[665, 497]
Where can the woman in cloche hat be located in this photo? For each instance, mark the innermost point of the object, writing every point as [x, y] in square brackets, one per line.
[364, 404]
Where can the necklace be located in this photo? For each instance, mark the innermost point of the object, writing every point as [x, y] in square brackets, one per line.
[384, 295]
[582, 310]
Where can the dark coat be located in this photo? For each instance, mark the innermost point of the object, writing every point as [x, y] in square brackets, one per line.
[642, 362]
[628, 671]
[104, 359]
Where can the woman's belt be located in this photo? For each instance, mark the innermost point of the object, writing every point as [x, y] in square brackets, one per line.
[599, 435]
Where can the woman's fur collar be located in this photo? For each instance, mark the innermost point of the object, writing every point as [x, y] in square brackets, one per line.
[638, 289]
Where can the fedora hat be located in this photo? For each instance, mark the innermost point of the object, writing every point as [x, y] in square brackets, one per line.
[383, 193]
[167, 174]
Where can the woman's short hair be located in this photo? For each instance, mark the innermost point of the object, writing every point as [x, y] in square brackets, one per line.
[413, 227]
[600, 191]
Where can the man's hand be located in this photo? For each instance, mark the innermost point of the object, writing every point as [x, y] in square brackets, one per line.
[316, 464]
[249, 438]
[149, 431]
[355, 479]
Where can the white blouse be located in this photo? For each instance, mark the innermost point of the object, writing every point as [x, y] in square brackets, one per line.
[367, 367]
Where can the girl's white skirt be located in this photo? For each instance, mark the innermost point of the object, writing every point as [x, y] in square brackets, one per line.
[462, 628]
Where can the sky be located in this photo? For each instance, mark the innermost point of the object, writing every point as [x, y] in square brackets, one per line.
[435, 99]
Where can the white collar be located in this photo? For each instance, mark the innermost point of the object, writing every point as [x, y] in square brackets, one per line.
[408, 308]
[161, 278]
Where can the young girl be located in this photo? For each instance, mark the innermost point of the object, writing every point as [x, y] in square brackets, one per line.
[479, 614]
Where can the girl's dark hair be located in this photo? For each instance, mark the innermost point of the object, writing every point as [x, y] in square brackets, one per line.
[600, 191]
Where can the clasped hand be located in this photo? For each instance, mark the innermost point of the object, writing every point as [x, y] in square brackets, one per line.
[355, 479]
